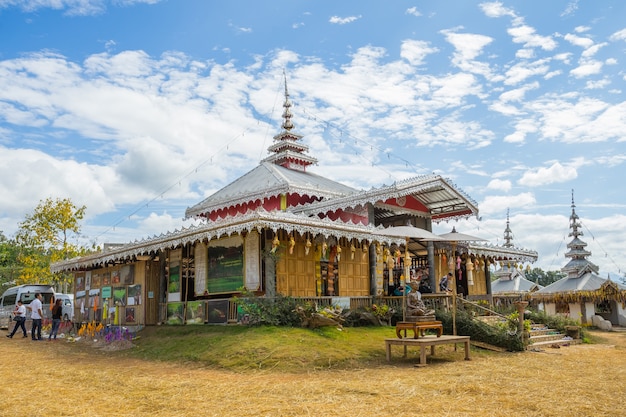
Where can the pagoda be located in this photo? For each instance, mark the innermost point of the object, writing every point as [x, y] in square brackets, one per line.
[582, 293]
[510, 279]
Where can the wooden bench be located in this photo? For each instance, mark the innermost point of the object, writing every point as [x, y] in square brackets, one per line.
[424, 342]
[418, 328]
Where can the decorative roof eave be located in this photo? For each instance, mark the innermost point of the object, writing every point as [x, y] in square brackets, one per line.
[614, 293]
[286, 134]
[422, 184]
[261, 196]
[506, 253]
[276, 147]
[233, 225]
[289, 154]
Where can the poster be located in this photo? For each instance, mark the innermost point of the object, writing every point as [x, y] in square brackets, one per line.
[96, 280]
[130, 314]
[119, 296]
[218, 311]
[253, 261]
[175, 313]
[128, 274]
[134, 295]
[200, 255]
[225, 269]
[195, 312]
[174, 272]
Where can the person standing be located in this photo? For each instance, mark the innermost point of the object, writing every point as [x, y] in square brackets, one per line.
[36, 315]
[57, 311]
[445, 282]
[20, 318]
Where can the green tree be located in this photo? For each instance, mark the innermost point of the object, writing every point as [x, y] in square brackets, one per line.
[45, 238]
[9, 264]
[544, 278]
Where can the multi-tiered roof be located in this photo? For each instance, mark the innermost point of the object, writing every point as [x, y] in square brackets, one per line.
[511, 280]
[582, 274]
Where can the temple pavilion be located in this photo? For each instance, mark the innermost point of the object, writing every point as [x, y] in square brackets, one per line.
[282, 229]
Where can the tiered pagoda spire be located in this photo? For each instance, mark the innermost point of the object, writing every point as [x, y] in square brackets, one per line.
[508, 235]
[286, 149]
[577, 252]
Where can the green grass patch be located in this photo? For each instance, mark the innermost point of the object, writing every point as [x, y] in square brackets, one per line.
[243, 348]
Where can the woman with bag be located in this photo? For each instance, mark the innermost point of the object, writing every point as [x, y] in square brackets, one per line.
[19, 316]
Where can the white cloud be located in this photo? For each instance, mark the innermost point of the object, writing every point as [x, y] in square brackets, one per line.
[587, 68]
[620, 35]
[500, 185]
[555, 173]
[570, 9]
[522, 128]
[343, 20]
[597, 84]
[71, 7]
[496, 9]
[527, 36]
[578, 40]
[468, 47]
[413, 11]
[524, 70]
[525, 53]
[499, 204]
[416, 51]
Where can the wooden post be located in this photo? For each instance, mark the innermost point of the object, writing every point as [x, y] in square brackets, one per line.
[521, 307]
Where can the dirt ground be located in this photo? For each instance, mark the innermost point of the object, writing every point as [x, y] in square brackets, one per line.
[65, 379]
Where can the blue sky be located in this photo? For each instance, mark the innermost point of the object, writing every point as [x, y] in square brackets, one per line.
[139, 109]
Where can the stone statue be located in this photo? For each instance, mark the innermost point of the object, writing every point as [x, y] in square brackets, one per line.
[415, 306]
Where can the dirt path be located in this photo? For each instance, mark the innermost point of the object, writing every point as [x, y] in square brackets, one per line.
[60, 379]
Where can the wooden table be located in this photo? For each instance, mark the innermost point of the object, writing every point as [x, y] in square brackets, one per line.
[426, 341]
[418, 327]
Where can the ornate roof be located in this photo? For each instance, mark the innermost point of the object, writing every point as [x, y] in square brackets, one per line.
[582, 274]
[579, 262]
[257, 220]
[268, 180]
[441, 200]
[287, 151]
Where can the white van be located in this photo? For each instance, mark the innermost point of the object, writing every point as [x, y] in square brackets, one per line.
[68, 306]
[26, 293]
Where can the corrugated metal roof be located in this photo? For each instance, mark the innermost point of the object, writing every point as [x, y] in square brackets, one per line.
[267, 180]
[441, 199]
[512, 281]
[586, 282]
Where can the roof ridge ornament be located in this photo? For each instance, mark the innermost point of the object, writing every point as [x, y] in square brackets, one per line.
[287, 151]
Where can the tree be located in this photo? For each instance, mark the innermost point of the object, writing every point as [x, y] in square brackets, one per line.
[544, 278]
[44, 237]
[9, 265]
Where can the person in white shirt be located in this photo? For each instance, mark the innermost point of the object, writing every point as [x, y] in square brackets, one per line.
[20, 318]
[36, 314]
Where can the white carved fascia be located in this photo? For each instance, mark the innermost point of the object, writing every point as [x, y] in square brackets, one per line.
[259, 221]
[510, 253]
[376, 196]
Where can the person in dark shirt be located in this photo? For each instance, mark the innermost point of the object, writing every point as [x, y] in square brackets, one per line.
[57, 312]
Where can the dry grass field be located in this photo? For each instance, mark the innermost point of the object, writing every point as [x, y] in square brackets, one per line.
[74, 379]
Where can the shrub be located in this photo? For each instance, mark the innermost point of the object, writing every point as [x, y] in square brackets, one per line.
[278, 311]
[480, 331]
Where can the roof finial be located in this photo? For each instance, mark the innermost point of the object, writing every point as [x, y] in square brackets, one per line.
[287, 124]
[508, 236]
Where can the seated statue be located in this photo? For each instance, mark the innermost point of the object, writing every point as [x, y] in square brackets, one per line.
[415, 306]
